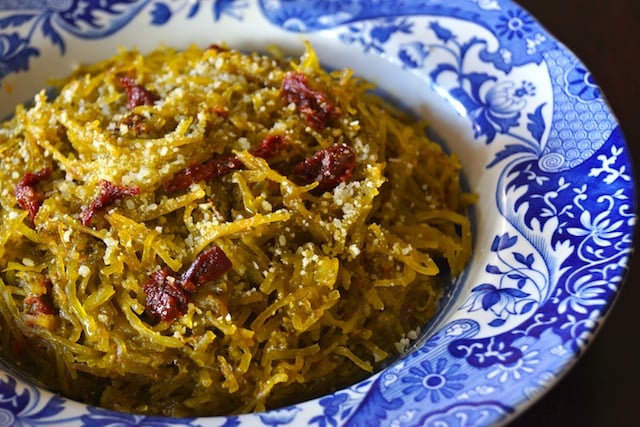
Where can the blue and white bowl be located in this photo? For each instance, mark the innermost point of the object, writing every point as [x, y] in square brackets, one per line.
[538, 143]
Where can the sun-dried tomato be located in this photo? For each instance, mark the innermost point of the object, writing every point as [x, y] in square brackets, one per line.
[215, 168]
[42, 303]
[314, 105]
[220, 110]
[136, 93]
[217, 47]
[329, 167]
[38, 304]
[168, 297]
[136, 124]
[26, 194]
[208, 266]
[202, 172]
[165, 299]
[107, 195]
[270, 146]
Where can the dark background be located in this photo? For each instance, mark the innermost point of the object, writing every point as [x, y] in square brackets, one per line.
[603, 388]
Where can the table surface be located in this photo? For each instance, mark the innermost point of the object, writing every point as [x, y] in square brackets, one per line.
[603, 387]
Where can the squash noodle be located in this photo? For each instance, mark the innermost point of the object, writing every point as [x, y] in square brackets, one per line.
[324, 285]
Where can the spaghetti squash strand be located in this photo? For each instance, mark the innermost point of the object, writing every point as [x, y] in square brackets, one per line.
[206, 232]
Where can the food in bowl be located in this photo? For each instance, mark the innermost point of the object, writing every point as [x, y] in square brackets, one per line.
[204, 231]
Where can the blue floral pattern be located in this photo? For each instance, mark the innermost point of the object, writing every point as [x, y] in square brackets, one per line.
[562, 188]
[87, 19]
[20, 408]
[279, 417]
[436, 382]
[519, 285]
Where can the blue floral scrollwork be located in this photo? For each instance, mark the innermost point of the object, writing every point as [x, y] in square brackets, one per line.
[508, 297]
[466, 415]
[522, 40]
[332, 408]
[374, 409]
[15, 52]
[87, 19]
[25, 407]
[280, 417]
[98, 417]
[78, 17]
[373, 39]
[494, 107]
[516, 23]
[163, 11]
[580, 83]
[436, 382]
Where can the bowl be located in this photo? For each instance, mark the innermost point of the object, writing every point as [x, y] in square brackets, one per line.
[538, 143]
